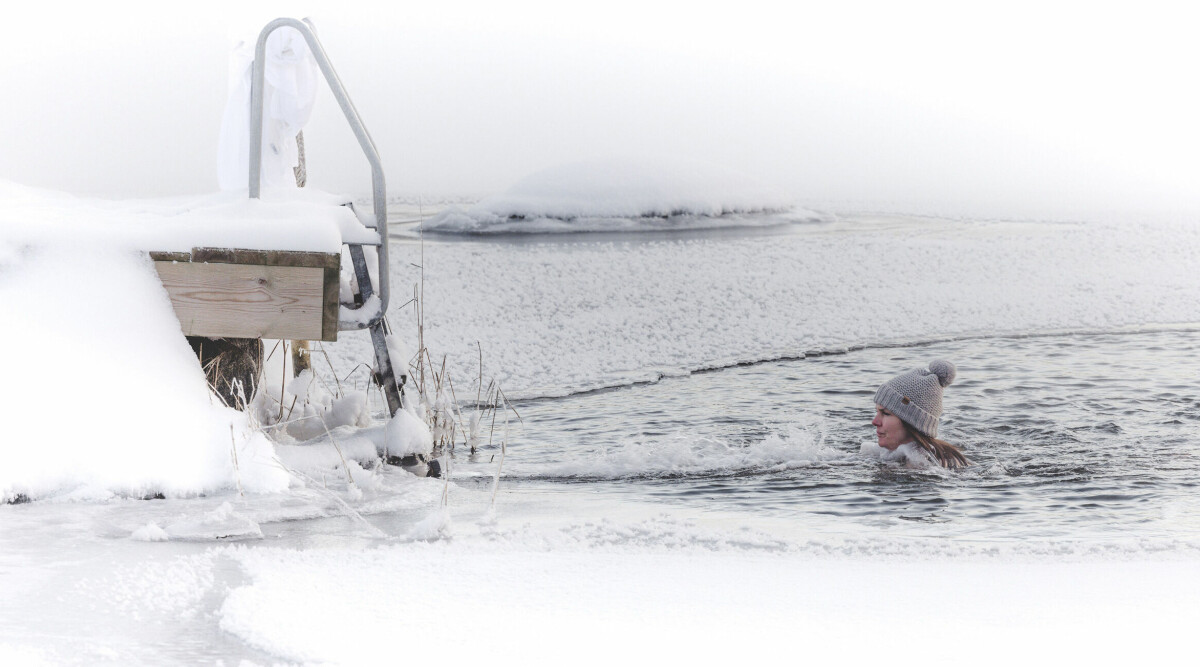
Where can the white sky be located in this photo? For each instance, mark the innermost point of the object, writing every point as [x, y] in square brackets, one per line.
[1036, 104]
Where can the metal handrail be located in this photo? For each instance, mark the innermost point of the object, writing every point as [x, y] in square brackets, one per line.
[360, 131]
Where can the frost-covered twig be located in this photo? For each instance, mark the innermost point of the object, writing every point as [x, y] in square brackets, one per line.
[338, 449]
[321, 347]
[283, 382]
[237, 471]
[500, 466]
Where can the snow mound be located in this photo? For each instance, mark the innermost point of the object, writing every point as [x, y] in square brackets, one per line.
[407, 434]
[623, 195]
[103, 396]
[151, 532]
[307, 409]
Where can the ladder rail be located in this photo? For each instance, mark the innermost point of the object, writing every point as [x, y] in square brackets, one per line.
[378, 188]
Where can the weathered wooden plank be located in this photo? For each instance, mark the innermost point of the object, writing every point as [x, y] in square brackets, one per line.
[322, 260]
[329, 324]
[228, 300]
[171, 256]
[241, 256]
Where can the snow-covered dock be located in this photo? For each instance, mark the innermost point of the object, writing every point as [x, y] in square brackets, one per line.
[271, 274]
[232, 266]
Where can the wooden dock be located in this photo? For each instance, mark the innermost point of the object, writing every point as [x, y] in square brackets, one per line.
[233, 293]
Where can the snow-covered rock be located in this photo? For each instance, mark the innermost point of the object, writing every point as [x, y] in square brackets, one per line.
[623, 195]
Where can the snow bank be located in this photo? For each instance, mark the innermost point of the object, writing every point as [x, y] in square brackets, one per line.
[20, 655]
[284, 219]
[604, 606]
[557, 571]
[104, 396]
[103, 393]
[623, 195]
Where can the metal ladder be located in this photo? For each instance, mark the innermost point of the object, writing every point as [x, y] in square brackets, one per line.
[385, 374]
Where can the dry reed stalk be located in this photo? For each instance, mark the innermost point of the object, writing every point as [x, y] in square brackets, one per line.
[508, 406]
[321, 347]
[283, 382]
[338, 449]
[239, 392]
[500, 466]
[237, 471]
[421, 293]
[454, 407]
[355, 370]
[272, 352]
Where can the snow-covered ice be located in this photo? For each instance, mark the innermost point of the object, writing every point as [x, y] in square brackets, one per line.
[554, 577]
[581, 312]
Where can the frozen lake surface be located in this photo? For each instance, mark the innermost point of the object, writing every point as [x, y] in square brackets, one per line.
[689, 464]
[560, 313]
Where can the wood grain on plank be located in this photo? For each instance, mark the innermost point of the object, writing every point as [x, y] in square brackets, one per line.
[247, 301]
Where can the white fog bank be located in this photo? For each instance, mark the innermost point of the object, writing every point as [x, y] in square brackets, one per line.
[1032, 111]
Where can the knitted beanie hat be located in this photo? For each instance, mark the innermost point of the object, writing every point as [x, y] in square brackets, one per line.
[916, 396]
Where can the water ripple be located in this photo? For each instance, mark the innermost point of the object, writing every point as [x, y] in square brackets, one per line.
[1070, 435]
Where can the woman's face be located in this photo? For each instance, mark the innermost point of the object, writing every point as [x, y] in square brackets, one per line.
[889, 429]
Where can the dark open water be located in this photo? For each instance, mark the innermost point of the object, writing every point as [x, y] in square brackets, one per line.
[1071, 436]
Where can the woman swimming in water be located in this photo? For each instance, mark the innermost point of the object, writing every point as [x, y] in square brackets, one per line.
[907, 410]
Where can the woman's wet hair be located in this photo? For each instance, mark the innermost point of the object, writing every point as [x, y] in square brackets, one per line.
[943, 452]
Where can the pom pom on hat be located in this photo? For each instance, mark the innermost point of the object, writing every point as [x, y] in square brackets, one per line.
[944, 370]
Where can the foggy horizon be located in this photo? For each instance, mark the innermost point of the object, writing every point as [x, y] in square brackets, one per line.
[1033, 109]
